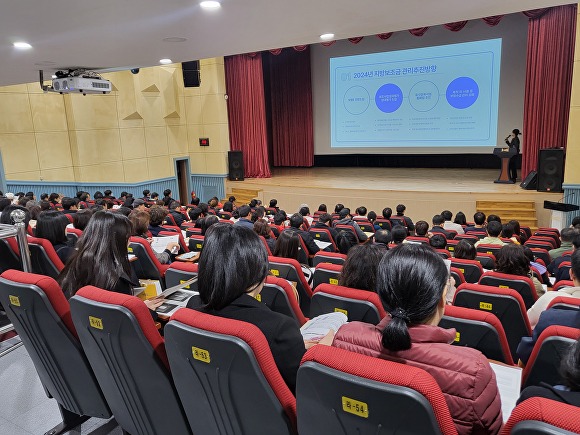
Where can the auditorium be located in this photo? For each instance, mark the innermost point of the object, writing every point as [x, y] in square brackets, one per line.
[254, 217]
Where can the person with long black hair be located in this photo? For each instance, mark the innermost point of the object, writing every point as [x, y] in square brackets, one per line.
[514, 144]
[51, 225]
[412, 282]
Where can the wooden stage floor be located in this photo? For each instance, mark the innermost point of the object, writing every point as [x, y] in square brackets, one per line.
[425, 192]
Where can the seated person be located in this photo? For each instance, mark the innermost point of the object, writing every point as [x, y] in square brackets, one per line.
[438, 241]
[479, 219]
[207, 222]
[382, 238]
[507, 232]
[81, 219]
[438, 222]
[566, 237]
[244, 220]
[512, 260]
[493, 231]
[398, 234]
[261, 228]
[449, 225]
[460, 219]
[412, 282]
[279, 223]
[51, 225]
[296, 221]
[139, 227]
[554, 266]
[421, 229]
[346, 219]
[345, 240]
[465, 251]
[518, 231]
[540, 268]
[232, 269]
[569, 392]
[325, 222]
[360, 268]
[543, 301]
[288, 246]
[156, 217]
[305, 212]
[408, 222]
[174, 211]
[102, 258]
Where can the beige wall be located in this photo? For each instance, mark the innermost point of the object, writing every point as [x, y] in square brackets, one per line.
[572, 170]
[130, 135]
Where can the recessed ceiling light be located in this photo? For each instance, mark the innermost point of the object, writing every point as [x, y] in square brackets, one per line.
[210, 4]
[327, 36]
[174, 39]
[22, 45]
[165, 61]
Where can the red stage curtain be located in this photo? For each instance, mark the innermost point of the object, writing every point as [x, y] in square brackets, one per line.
[419, 31]
[247, 113]
[385, 35]
[550, 59]
[356, 40]
[291, 102]
[456, 26]
[492, 21]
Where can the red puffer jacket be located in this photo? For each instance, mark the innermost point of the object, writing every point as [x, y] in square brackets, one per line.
[464, 375]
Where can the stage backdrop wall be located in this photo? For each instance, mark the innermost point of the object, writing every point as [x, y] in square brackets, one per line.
[513, 31]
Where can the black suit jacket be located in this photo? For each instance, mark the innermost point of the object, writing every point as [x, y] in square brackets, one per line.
[439, 230]
[308, 240]
[281, 332]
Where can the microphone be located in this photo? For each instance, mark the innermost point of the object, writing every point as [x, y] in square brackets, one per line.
[508, 136]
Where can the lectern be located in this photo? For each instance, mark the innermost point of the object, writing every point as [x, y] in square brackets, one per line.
[505, 154]
[558, 212]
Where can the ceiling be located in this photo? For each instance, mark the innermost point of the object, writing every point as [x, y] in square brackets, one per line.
[103, 34]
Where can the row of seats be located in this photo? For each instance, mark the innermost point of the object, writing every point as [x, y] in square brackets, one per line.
[103, 356]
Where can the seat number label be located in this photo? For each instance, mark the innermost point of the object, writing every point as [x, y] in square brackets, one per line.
[275, 272]
[130, 250]
[485, 306]
[95, 322]
[181, 281]
[200, 354]
[457, 337]
[355, 407]
[259, 297]
[14, 300]
[333, 281]
[503, 286]
[339, 310]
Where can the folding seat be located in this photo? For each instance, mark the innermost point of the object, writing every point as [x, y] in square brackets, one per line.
[43, 257]
[323, 235]
[69, 217]
[542, 254]
[561, 284]
[565, 303]
[181, 240]
[326, 273]
[271, 211]
[341, 392]
[170, 220]
[196, 242]
[471, 269]
[146, 264]
[263, 239]
[328, 257]
[341, 227]
[522, 284]
[279, 295]
[226, 215]
[551, 230]
[554, 236]
[128, 357]
[563, 273]
[290, 269]
[488, 248]
[192, 231]
[73, 235]
[366, 226]
[40, 313]
[360, 305]
[451, 234]
[467, 236]
[423, 240]
[451, 244]
[457, 274]
[539, 416]
[544, 362]
[398, 220]
[506, 304]
[486, 260]
[479, 234]
[539, 244]
[9, 254]
[527, 231]
[180, 271]
[226, 376]
[384, 224]
[545, 239]
[443, 253]
[478, 330]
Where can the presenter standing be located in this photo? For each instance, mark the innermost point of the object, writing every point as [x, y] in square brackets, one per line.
[514, 144]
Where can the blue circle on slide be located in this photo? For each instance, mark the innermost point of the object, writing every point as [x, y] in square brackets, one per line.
[389, 98]
[462, 92]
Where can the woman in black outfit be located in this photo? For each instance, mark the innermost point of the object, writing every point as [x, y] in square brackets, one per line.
[514, 143]
[51, 225]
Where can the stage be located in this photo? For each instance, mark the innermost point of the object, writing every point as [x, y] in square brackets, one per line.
[425, 192]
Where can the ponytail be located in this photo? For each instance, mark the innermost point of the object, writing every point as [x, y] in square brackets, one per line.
[396, 333]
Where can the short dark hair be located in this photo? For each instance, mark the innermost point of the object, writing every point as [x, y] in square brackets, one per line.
[228, 207]
[207, 222]
[575, 260]
[344, 212]
[167, 192]
[401, 208]
[51, 225]
[338, 207]
[398, 234]
[195, 213]
[157, 215]
[421, 228]
[244, 210]
[107, 192]
[253, 203]
[279, 218]
[233, 262]
[512, 260]
[195, 201]
[361, 211]
[67, 203]
[304, 211]
[494, 228]
[322, 207]
[493, 218]
[82, 218]
[273, 202]
[410, 283]
[360, 268]
[447, 215]
[387, 212]
[146, 192]
[345, 240]
[232, 198]
[438, 241]
[567, 234]
[465, 250]
[383, 236]
[507, 231]
[576, 221]
[325, 217]
[372, 216]
[174, 205]
[296, 220]
[479, 218]
[438, 219]
[154, 195]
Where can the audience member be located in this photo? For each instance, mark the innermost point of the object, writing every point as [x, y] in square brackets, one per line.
[167, 199]
[345, 240]
[279, 223]
[207, 222]
[51, 225]
[81, 219]
[421, 228]
[382, 239]
[507, 232]
[518, 231]
[398, 234]
[274, 204]
[261, 228]
[438, 241]
[338, 207]
[566, 236]
[465, 251]
[408, 222]
[296, 221]
[493, 231]
[139, 228]
[139, 204]
[360, 268]
[322, 207]
[554, 267]
[243, 221]
[438, 222]
[493, 218]
[460, 219]
[412, 282]
[512, 260]
[175, 213]
[305, 212]
[345, 218]
[479, 220]
[448, 224]
[156, 218]
[325, 222]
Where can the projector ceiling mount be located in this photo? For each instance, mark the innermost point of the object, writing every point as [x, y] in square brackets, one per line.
[76, 81]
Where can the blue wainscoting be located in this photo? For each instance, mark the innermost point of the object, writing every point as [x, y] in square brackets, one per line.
[71, 188]
[571, 196]
[206, 186]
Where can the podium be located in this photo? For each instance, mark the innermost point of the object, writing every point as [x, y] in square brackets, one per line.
[505, 154]
[558, 212]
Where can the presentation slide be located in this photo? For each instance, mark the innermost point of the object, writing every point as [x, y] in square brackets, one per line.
[440, 96]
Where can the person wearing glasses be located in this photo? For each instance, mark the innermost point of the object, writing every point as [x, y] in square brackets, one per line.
[412, 283]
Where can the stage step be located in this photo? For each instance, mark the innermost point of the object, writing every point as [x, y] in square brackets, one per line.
[243, 196]
[522, 211]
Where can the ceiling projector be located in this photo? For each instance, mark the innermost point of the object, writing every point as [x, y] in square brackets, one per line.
[81, 85]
